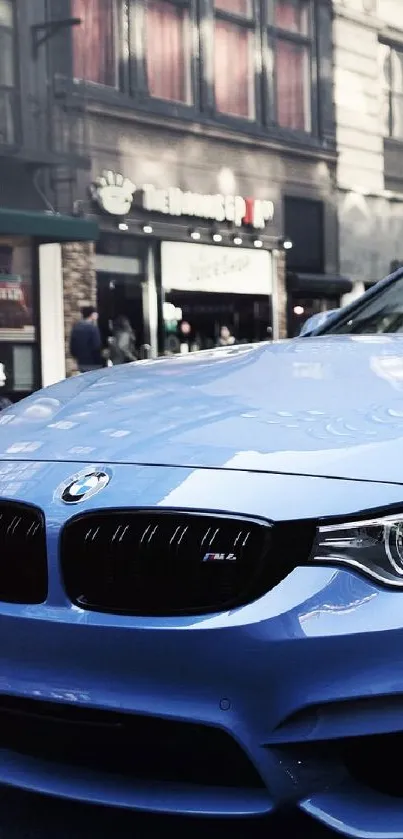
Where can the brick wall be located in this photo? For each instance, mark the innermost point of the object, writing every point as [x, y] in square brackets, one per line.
[79, 288]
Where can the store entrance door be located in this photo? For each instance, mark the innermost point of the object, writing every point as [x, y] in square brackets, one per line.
[121, 288]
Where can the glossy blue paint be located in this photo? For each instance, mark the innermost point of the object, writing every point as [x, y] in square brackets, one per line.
[298, 430]
[326, 406]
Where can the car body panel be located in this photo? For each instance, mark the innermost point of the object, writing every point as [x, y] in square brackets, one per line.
[268, 660]
[290, 432]
[296, 407]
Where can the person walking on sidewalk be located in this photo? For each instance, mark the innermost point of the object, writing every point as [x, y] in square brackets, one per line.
[85, 341]
[123, 344]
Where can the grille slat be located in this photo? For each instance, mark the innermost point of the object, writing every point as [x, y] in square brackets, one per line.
[164, 563]
[23, 561]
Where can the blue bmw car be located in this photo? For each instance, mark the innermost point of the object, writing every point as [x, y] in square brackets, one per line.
[201, 587]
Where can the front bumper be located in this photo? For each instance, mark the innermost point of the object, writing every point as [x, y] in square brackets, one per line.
[291, 678]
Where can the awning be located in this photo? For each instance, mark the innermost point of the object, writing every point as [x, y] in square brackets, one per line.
[47, 226]
[323, 285]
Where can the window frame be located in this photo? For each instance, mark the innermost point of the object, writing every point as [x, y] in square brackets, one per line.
[272, 34]
[388, 90]
[138, 86]
[252, 23]
[13, 90]
[133, 93]
[121, 77]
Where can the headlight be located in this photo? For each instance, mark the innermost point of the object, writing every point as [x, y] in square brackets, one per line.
[374, 547]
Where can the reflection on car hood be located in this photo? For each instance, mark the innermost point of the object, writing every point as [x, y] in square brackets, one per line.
[322, 406]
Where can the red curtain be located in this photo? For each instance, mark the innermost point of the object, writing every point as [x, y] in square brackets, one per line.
[288, 15]
[234, 82]
[291, 80]
[167, 58]
[237, 7]
[94, 50]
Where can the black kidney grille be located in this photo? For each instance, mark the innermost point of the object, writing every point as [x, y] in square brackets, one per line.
[164, 563]
[23, 562]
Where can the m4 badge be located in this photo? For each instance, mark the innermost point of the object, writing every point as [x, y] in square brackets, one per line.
[219, 557]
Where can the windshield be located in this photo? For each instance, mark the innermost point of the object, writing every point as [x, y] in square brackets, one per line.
[384, 313]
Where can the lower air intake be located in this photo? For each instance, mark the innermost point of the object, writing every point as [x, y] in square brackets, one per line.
[164, 563]
[23, 563]
[138, 747]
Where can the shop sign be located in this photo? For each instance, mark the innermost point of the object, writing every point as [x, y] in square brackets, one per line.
[233, 208]
[211, 268]
[115, 195]
[10, 289]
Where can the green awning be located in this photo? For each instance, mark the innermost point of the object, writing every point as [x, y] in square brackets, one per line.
[47, 226]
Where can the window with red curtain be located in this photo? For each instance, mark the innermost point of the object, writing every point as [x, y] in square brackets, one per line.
[95, 41]
[168, 51]
[7, 72]
[293, 64]
[292, 15]
[234, 75]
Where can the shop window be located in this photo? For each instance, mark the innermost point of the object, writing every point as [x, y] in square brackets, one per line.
[16, 290]
[391, 61]
[292, 65]
[7, 72]
[234, 55]
[168, 51]
[95, 41]
[18, 351]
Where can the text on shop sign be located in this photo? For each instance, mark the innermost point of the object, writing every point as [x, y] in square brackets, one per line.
[219, 208]
[115, 195]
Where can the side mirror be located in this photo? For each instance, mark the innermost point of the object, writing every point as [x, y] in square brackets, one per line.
[315, 321]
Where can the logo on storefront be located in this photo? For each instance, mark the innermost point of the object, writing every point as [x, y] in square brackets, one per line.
[83, 487]
[115, 195]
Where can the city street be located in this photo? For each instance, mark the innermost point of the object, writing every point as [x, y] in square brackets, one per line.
[31, 817]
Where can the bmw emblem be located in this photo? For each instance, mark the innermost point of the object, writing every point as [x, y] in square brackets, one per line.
[84, 486]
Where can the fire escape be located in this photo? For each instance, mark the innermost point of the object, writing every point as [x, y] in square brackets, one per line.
[43, 120]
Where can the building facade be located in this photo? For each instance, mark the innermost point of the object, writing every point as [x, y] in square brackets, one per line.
[174, 150]
[36, 142]
[368, 56]
[211, 136]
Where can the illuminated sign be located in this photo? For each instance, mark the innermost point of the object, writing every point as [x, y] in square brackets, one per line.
[115, 195]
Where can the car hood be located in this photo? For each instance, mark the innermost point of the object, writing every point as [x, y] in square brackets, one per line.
[329, 407]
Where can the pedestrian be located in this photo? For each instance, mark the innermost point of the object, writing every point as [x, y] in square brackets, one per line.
[5, 402]
[123, 344]
[226, 338]
[85, 341]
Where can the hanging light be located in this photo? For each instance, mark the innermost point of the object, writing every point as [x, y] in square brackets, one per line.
[287, 244]
[257, 243]
[216, 235]
[237, 240]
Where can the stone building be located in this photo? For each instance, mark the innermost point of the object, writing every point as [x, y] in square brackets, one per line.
[368, 74]
[180, 148]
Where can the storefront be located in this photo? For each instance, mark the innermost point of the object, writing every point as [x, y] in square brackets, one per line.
[32, 352]
[208, 287]
[182, 265]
